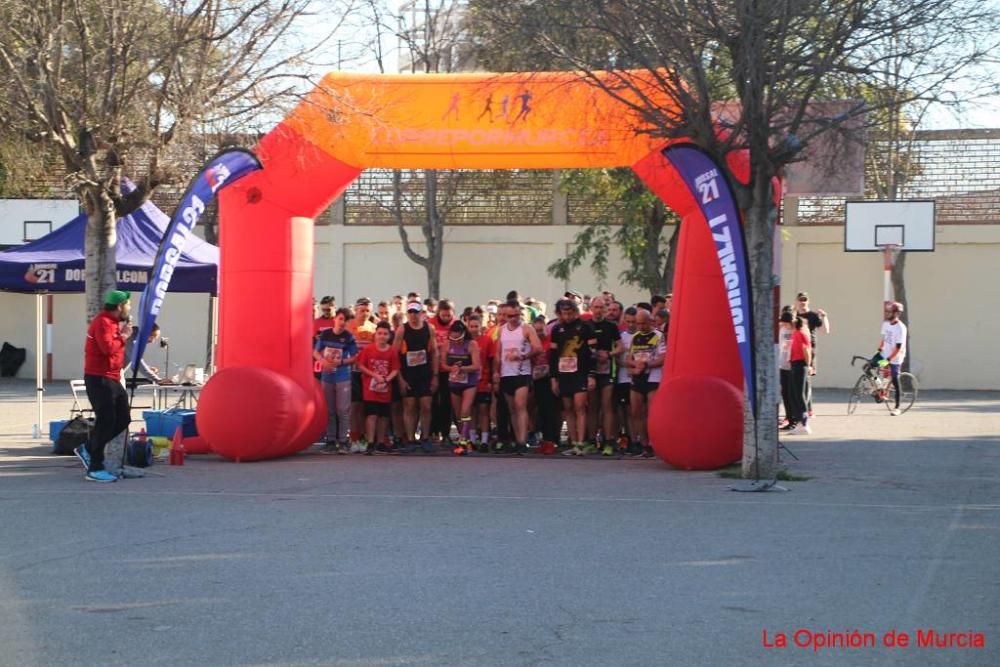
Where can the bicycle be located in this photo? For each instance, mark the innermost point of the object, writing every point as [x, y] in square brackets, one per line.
[876, 383]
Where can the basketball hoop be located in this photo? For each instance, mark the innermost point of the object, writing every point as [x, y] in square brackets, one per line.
[889, 227]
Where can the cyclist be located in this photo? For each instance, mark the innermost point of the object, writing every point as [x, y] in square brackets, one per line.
[892, 346]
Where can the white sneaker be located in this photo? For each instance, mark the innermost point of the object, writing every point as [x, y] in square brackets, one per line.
[801, 429]
[356, 447]
[574, 451]
[895, 413]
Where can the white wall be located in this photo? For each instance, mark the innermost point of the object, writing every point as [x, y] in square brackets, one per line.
[184, 320]
[480, 263]
[953, 298]
[953, 301]
[14, 212]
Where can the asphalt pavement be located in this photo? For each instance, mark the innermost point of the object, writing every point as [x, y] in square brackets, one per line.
[440, 560]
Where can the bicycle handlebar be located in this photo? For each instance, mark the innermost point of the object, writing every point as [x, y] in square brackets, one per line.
[864, 359]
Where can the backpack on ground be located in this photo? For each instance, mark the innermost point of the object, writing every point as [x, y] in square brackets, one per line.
[75, 433]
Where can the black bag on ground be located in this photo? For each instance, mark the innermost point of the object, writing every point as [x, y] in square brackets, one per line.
[139, 453]
[73, 434]
[11, 359]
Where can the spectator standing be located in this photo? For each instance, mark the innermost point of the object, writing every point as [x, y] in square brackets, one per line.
[799, 360]
[103, 360]
[893, 345]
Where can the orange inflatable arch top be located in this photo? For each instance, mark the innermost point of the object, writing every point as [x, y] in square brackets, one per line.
[264, 401]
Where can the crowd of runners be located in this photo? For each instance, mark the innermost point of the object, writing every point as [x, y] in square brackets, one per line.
[412, 374]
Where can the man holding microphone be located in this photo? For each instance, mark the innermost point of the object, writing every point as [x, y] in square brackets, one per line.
[103, 359]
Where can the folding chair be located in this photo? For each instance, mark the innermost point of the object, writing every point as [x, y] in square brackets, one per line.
[79, 389]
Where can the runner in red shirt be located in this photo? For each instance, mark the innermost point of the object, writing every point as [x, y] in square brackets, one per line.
[379, 365]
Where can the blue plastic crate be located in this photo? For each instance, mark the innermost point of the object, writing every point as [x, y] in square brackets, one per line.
[55, 427]
[165, 422]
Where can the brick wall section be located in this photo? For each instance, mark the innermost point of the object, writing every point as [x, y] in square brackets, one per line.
[960, 169]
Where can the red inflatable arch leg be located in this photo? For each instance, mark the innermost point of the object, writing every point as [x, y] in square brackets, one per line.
[696, 418]
[264, 402]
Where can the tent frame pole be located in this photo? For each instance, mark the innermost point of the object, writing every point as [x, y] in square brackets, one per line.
[36, 432]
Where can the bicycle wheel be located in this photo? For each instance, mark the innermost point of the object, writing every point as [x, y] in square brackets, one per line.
[907, 396]
[857, 394]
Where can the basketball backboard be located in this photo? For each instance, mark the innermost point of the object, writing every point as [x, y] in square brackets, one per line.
[872, 225]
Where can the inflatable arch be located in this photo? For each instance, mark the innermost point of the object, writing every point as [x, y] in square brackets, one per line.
[264, 402]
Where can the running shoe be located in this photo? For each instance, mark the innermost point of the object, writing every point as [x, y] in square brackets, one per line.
[608, 450]
[342, 448]
[787, 427]
[520, 449]
[575, 450]
[590, 448]
[637, 451]
[427, 447]
[895, 412]
[84, 456]
[328, 448]
[102, 476]
[801, 429]
[459, 450]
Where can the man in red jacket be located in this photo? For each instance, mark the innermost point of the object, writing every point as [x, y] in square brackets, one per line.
[103, 358]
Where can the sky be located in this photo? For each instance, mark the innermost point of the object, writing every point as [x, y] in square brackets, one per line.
[352, 54]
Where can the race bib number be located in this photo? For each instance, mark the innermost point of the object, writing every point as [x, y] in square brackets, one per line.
[540, 371]
[377, 386]
[458, 376]
[416, 358]
[604, 366]
[642, 355]
[511, 354]
[567, 364]
[333, 354]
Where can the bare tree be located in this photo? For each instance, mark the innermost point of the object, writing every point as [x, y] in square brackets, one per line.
[431, 37]
[776, 59]
[117, 86]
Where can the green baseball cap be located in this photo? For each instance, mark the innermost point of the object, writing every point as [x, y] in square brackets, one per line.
[116, 297]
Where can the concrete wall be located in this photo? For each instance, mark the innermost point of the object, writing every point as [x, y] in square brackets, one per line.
[953, 301]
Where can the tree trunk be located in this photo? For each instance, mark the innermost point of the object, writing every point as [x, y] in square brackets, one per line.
[671, 263]
[898, 279]
[99, 251]
[760, 444]
[433, 234]
[653, 278]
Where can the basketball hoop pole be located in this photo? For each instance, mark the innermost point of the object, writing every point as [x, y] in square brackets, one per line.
[889, 253]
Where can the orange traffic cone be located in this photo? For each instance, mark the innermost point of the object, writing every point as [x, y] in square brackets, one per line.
[177, 448]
